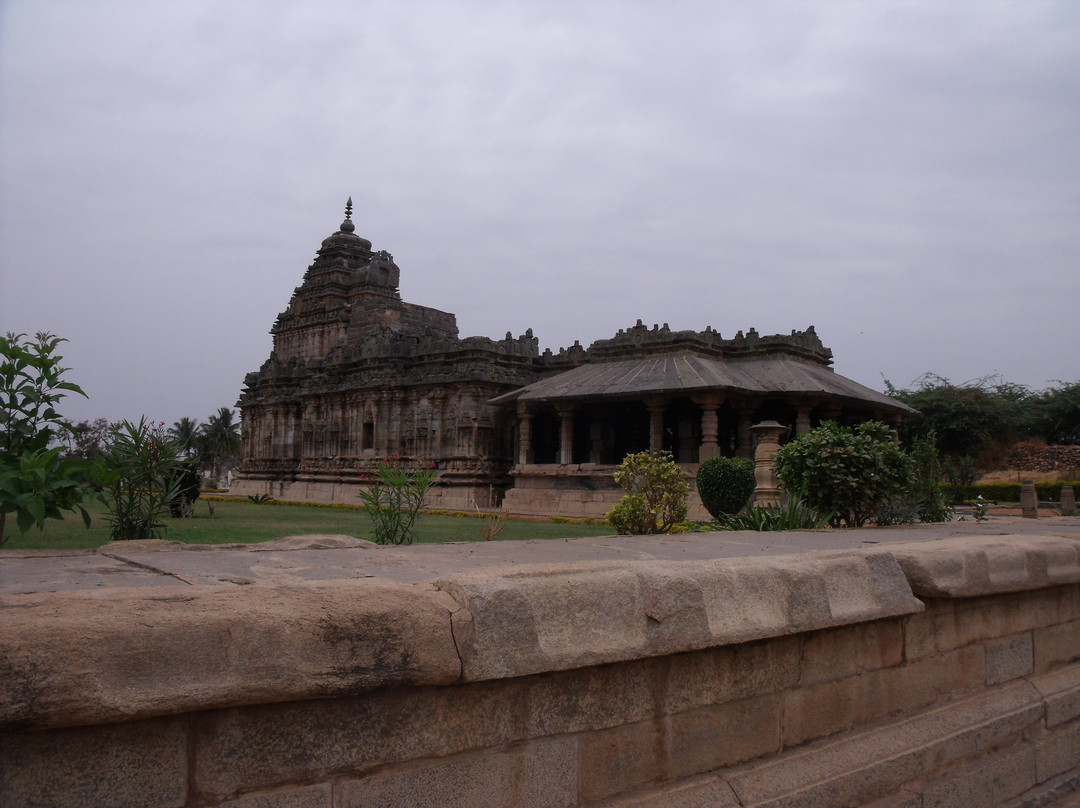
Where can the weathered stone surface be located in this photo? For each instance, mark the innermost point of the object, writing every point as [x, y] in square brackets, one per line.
[875, 763]
[540, 775]
[961, 568]
[317, 796]
[563, 616]
[840, 705]
[273, 745]
[950, 623]
[139, 764]
[81, 658]
[1009, 658]
[707, 738]
[1061, 690]
[988, 781]
[698, 792]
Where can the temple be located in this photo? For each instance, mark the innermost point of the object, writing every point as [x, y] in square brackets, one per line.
[356, 374]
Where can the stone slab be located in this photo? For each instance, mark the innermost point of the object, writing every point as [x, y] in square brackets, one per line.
[514, 622]
[98, 657]
[960, 568]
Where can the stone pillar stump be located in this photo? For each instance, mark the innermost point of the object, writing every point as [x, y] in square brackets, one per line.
[768, 434]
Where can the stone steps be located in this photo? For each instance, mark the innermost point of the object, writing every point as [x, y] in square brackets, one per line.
[1016, 745]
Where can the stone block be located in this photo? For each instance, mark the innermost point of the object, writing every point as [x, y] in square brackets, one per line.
[1057, 645]
[542, 774]
[960, 568]
[843, 652]
[262, 747]
[100, 657]
[1009, 658]
[722, 735]
[949, 624]
[144, 763]
[831, 707]
[718, 675]
[561, 616]
[317, 796]
[1061, 691]
[1057, 752]
[698, 792]
[989, 781]
[621, 759]
[592, 698]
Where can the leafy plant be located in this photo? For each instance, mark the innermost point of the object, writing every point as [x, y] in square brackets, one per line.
[36, 482]
[144, 478]
[795, 515]
[394, 497]
[725, 484]
[259, 499]
[847, 472]
[494, 523]
[187, 480]
[980, 506]
[656, 494]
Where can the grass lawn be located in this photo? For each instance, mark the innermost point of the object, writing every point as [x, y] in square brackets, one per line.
[239, 521]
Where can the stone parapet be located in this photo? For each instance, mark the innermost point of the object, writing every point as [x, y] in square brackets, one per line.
[920, 674]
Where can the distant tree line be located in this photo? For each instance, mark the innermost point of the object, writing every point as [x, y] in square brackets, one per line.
[983, 417]
[213, 446]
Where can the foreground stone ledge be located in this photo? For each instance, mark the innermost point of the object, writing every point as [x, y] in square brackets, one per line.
[111, 656]
[515, 622]
[963, 568]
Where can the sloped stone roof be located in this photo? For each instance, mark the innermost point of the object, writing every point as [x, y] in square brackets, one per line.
[688, 373]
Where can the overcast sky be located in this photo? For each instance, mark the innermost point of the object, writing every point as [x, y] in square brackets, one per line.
[905, 176]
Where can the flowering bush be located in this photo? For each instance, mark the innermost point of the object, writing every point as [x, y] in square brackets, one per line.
[144, 476]
[393, 499]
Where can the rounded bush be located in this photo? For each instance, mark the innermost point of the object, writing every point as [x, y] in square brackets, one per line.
[725, 485]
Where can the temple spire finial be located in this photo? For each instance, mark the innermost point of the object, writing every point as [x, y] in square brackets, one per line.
[347, 226]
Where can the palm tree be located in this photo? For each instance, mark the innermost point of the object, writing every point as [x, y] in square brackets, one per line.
[186, 434]
[221, 440]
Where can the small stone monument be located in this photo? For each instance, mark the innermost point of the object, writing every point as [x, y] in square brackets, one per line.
[1029, 500]
[1068, 501]
[768, 434]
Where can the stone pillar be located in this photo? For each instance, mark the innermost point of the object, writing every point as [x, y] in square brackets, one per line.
[566, 433]
[596, 440]
[768, 434]
[709, 432]
[1029, 500]
[525, 449]
[802, 420]
[656, 423]
[745, 446]
[1068, 501]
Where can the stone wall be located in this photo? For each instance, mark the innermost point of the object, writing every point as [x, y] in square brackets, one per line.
[937, 673]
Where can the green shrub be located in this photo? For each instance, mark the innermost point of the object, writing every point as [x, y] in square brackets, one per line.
[796, 515]
[186, 480]
[656, 494]
[847, 472]
[143, 478]
[725, 484]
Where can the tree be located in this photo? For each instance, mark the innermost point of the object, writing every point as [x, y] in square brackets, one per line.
[966, 418]
[88, 439]
[725, 484]
[185, 433]
[36, 482]
[849, 472]
[221, 440]
[1057, 413]
[656, 494]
